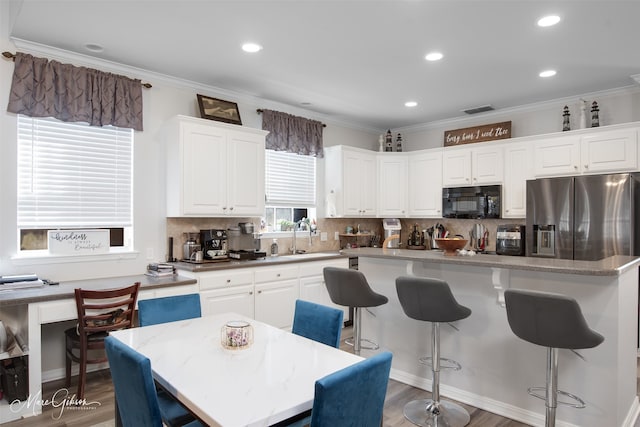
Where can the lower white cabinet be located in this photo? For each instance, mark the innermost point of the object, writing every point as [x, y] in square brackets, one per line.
[236, 299]
[275, 303]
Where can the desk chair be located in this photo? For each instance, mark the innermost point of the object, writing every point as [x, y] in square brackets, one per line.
[553, 321]
[318, 322]
[350, 288]
[136, 399]
[98, 313]
[352, 396]
[168, 309]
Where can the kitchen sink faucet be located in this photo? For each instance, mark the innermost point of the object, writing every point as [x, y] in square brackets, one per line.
[294, 250]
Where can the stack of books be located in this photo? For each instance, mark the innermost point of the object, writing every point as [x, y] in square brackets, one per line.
[160, 269]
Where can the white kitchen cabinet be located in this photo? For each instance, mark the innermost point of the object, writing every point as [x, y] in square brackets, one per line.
[558, 156]
[236, 299]
[425, 184]
[275, 302]
[609, 151]
[392, 185]
[214, 168]
[517, 170]
[462, 166]
[350, 182]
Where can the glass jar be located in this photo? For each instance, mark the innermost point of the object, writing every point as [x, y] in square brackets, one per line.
[236, 335]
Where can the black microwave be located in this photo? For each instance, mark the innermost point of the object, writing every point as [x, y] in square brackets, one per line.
[471, 202]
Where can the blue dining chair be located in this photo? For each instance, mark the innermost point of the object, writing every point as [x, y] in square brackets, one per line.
[168, 309]
[353, 396]
[136, 398]
[318, 322]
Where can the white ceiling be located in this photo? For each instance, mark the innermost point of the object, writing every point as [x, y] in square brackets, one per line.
[358, 61]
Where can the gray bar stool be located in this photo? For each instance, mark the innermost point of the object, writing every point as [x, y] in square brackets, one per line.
[431, 300]
[553, 321]
[350, 288]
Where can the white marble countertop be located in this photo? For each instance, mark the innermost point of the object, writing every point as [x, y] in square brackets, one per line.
[611, 266]
[266, 383]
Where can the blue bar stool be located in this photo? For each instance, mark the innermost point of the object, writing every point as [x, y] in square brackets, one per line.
[431, 300]
[553, 321]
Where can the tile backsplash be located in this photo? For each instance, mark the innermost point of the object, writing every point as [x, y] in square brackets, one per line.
[177, 227]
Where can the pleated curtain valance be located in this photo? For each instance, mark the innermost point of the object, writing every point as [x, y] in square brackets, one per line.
[292, 134]
[43, 88]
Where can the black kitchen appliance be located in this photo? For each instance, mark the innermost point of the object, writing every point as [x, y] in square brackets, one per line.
[471, 202]
[243, 243]
[214, 244]
[510, 240]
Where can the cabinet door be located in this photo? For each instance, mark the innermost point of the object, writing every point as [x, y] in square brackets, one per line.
[204, 169]
[359, 184]
[275, 303]
[392, 186]
[245, 180]
[314, 289]
[557, 157]
[237, 299]
[425, 185]
[487, 165]
[368, 181]
[456, 167]
[517, 169]
[613, 151]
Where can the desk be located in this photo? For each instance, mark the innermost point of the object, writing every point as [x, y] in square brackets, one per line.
[266, 383]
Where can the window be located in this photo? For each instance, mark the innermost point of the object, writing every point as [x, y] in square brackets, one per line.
[73, 176]
[290, 189]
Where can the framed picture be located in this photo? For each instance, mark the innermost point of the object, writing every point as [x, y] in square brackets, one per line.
[218, 109]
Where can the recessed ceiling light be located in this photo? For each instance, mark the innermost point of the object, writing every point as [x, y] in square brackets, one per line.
[548, 73]
[548, 21]
[410, 104]
[251, 47]
[434, 56]
[93, 47]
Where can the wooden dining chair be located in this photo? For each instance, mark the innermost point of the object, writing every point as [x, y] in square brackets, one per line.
[136, 398]
[98, 313]
[318, 322]
[365, 384]
[168, 309]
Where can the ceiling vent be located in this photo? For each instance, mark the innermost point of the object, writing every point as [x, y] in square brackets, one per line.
[481, 109]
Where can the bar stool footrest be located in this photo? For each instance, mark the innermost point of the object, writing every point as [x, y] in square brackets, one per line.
[448, 363]
[370, 345]
[576, 401]
[427, 413]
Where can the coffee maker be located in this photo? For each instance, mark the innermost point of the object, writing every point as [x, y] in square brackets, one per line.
[244, 243]
[214, 244]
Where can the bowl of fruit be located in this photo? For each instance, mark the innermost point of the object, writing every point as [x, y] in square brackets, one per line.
[450, 246]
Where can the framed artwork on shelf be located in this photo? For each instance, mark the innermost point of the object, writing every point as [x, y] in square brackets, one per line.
[219, 109]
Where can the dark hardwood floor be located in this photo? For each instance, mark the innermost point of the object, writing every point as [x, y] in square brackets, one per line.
[101, 414]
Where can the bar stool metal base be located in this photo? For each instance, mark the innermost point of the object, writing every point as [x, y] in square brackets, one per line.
[427, 413]
[370, 345]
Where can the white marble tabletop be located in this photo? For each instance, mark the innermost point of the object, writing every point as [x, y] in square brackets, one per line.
[266, 383]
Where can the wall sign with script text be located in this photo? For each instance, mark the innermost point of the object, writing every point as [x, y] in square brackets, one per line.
[78, 242]
[477, 134]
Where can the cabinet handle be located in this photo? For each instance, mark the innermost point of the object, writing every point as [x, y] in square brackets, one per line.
[250, 292]
[224, 208]
[586, 166]
[231, 208]
[575, 167]
[278, 275]
[475, 179]
[466, 179]
[507, 210]
[228, 280]
[259, 292]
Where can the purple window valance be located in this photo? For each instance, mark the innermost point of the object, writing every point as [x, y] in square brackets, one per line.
[292, 134]
[43, 88]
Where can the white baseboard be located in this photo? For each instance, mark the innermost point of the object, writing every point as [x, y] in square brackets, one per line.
[57, 374]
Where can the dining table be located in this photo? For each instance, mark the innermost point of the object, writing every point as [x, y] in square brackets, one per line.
[262, 384]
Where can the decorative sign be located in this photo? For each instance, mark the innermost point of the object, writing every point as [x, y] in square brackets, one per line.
[477, 134]
[79, 242]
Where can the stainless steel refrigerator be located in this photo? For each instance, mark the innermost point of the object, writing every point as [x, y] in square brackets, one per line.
[584, 217]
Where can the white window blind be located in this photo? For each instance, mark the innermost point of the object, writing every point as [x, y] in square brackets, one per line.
[73, 174]
[290, 179]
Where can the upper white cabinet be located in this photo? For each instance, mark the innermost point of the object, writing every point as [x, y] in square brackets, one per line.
[392, 185]
[425, 184]
[350, 182]
[591, 153]
[611, 151]
[462, 166]
[214, 168]
[517, 170]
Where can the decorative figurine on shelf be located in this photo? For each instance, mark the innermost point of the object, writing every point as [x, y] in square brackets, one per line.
[583, 114]
[566, 124]
[381, 143]
[399, 143]
[388, 141]
[595, 117]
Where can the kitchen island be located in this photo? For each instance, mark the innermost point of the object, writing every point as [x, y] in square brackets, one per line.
[497, 367]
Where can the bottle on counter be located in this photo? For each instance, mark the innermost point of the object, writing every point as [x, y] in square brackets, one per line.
[274, 248]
